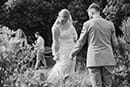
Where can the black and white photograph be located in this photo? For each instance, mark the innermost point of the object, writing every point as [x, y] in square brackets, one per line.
[64, 43]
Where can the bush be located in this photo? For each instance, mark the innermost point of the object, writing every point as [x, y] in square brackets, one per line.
[17, 66]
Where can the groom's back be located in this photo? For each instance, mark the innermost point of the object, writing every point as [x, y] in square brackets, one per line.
[99, 43]
[100, 34]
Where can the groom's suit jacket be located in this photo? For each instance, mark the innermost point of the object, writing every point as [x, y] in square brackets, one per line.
[100, 35]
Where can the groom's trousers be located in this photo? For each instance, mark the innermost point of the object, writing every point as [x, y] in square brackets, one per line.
[101, 76]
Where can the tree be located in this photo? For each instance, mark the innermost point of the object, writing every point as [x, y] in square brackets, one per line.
[114, 11]
[118, 12]
[2, 3]
[31, 16]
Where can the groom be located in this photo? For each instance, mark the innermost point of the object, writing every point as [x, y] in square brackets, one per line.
[100, 35]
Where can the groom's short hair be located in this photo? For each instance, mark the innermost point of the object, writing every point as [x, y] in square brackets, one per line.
[95, 6]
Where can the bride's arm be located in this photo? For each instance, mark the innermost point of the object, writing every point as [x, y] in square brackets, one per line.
[75, 35]
[55, 43]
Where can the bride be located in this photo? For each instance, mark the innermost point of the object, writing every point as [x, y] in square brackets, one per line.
[64, 36]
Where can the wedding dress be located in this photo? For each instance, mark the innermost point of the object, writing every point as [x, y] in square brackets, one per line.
[64, 66]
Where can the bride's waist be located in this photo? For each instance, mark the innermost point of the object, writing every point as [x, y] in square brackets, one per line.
[65, 49]
[66, 42]
[67, 45]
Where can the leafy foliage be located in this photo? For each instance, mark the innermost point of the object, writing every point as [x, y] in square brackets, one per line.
[122, 55]
[30, 16]
[118, 11]
[17, 65]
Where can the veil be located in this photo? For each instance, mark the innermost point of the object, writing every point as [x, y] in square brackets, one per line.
[56, 26]
[56, 23]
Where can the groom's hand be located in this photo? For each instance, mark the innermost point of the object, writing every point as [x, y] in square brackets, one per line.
[55, 58]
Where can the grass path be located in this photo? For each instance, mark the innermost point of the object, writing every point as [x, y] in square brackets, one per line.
[78, 79]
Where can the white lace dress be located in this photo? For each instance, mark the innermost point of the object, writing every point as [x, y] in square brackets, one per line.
[64, 66]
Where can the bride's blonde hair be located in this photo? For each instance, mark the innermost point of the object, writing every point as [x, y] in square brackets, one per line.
[66, 13]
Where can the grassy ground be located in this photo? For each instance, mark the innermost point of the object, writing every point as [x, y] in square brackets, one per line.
[37, 78]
